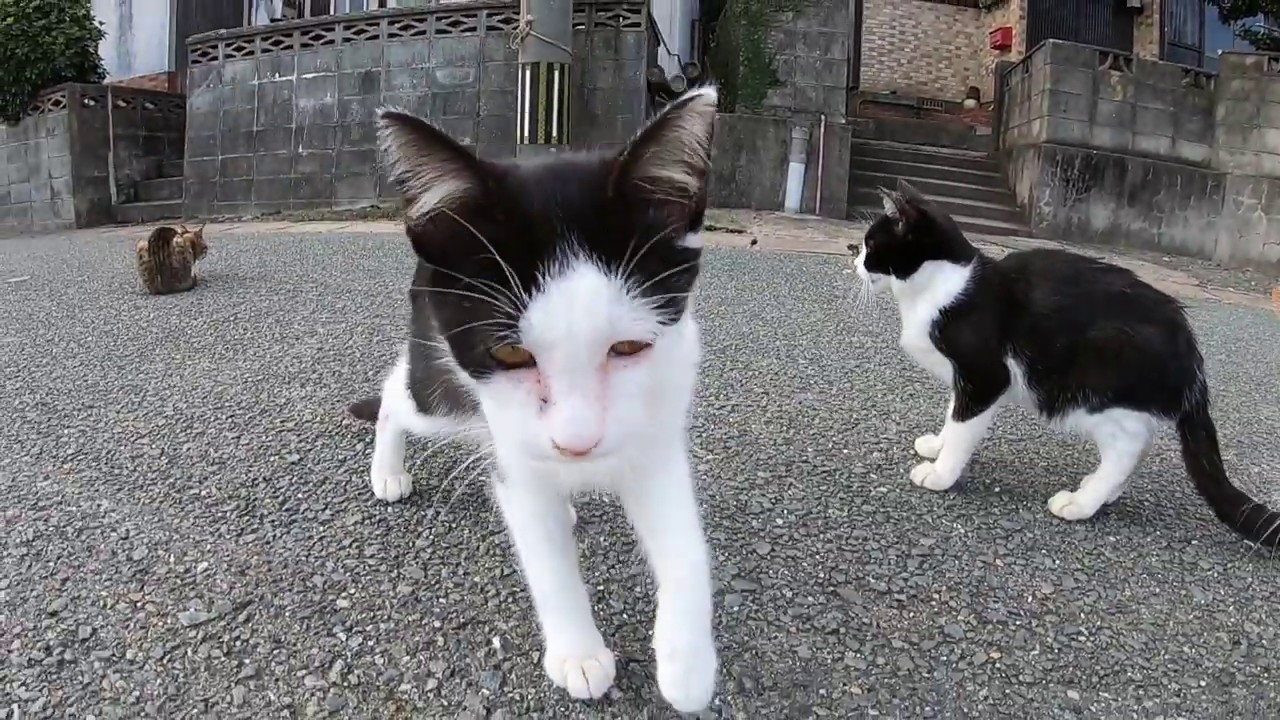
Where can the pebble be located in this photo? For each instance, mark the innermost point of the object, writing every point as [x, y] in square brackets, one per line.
[491, 680]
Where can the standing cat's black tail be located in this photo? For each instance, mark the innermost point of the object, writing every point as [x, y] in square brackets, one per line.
[366, 409]
[1252, 519]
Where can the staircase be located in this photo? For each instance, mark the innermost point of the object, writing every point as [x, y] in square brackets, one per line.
[967, 185]
[156, 199]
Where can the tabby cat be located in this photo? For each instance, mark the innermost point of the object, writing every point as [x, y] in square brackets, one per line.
[167, 258]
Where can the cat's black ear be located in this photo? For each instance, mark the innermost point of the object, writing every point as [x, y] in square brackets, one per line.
[671, 158]
[905, 205]
[431, 170]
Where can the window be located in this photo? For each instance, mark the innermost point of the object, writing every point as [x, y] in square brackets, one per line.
[265, 12]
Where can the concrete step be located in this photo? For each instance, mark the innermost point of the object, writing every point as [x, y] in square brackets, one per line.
[145, 212]
[942, 157]
[1000, 212]
[927, 171]
[171, 169]
[159, 190]
[968, 224]
[944, 188]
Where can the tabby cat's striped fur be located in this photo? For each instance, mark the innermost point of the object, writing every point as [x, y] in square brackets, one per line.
[167, 258]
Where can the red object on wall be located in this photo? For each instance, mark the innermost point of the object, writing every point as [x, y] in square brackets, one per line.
[1001, 38]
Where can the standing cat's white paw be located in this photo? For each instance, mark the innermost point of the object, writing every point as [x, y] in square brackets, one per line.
[928, 446]
[926, 475]
[586, 675]
[1066, 506]
[391, 487]
[686, 670]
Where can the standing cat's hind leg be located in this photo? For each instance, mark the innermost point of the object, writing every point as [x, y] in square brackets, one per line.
[1123, 438]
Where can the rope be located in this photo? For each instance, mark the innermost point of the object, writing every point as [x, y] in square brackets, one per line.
[525, 30]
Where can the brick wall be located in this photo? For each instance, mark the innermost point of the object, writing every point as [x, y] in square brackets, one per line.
[161, 81]
[938, 48]
[1146, 31]
[924, 47]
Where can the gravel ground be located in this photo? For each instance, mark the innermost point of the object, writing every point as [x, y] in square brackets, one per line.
[187, 529]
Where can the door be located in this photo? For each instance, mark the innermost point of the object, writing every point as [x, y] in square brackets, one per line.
[1101, 23]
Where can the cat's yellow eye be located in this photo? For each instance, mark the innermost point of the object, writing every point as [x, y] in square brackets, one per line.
[627, 348]
[512, 357]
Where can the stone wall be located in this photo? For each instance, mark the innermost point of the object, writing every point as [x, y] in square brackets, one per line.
[750, 159]
[282, 117]
[57, 163]
[924, 48]
[1106, 148]
[812, 51]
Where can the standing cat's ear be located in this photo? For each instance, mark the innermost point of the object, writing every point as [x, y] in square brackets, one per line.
[671, 158]
[431, 170]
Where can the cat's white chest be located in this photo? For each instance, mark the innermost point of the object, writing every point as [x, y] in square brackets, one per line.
[917, 341]
[921, 299]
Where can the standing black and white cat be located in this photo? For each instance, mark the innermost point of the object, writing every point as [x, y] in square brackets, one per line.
[552, 322]
[1083, 343]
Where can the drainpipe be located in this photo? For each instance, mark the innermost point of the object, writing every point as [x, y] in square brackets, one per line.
[544, 40]
[795, 169]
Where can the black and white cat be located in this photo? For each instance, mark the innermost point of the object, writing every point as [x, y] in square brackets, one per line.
[552, 322]
[1085, 344]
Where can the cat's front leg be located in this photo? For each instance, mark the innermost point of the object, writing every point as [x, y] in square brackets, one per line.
[540, 523]
[663, 510]
[387, 475]
[930, 446]
[970, 418]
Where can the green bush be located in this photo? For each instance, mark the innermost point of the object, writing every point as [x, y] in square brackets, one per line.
[740, 56]
[45, 43]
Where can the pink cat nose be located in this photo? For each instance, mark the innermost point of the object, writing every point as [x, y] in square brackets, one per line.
[576, 449]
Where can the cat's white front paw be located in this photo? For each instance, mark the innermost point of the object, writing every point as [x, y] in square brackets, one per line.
[928, 446]
[587, 674]
[686, 670]
[391, 487]
[1068, 506]
[927, 475]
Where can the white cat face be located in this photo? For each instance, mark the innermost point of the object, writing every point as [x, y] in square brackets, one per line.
[606, 376]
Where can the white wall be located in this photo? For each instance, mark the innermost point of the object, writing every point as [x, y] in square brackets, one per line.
[674, 21]
[137, 37]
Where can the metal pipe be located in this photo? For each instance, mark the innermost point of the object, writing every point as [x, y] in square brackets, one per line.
[822, 145]
[795, 169]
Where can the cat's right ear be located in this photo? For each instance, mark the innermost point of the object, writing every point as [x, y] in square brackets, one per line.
[432, 171]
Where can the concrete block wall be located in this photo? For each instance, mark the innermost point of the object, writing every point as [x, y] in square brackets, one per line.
[282, 117]
[148, 130]
[1248, 114]
[35, 175]
[812, 51]
[1075, 95]
[1116, 150]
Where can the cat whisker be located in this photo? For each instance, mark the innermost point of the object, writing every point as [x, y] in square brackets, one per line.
[477, 281]
[672, 271]
[629, 263]
[492, 301]
[491, 321]
[511, 274]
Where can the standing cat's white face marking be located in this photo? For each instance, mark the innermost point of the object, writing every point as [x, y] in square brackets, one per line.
[581, 403]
